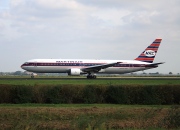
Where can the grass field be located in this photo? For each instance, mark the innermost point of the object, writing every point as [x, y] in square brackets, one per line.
[28, 81]
[88, 116]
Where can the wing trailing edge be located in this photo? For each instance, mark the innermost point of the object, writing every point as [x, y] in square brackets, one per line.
[97, 68]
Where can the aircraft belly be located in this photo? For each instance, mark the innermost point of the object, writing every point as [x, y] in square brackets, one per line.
[47, 69]
[117, 70]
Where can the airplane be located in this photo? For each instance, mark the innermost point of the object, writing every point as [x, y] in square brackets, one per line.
[77, 67]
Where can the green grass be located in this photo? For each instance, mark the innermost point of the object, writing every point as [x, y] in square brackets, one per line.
[90, 82]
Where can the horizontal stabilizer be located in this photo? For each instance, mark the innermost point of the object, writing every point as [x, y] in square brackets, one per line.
[155, 64]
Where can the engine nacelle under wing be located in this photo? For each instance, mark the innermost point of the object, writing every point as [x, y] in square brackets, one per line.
[74, 72]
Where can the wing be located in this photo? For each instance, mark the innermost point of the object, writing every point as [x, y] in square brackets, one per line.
[97, 68]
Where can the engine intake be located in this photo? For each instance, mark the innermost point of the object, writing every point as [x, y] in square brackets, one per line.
[74, 72]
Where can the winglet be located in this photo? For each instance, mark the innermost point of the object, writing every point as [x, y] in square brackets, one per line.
[149, 53]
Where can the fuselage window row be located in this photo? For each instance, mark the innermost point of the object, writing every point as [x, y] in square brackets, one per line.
[81, 64]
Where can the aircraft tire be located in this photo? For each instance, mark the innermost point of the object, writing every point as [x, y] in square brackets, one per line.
[91, 76]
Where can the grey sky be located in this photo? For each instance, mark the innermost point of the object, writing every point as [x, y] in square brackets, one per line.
[96, 29]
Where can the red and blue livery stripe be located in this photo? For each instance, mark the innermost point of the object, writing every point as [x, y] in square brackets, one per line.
[149, 53]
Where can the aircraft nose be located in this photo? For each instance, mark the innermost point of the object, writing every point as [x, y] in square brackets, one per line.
[22, 66]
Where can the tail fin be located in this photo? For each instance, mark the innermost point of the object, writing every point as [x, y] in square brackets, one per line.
[149, 53]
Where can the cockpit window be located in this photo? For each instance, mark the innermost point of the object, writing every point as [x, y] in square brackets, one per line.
[26, 63]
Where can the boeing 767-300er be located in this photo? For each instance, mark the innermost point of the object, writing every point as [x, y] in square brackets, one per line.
[90, 67]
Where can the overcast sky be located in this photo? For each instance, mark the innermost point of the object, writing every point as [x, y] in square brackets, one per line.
[88, 29]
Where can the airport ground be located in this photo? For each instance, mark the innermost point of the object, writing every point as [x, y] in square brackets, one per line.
[89, 116]
[26, 80]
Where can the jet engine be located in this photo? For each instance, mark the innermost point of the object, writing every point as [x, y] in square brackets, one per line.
[74, 72]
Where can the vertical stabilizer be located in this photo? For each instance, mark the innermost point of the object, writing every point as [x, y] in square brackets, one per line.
[150, 52]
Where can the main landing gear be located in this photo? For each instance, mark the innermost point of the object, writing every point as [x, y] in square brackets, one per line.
[90, 76]
[32, 76]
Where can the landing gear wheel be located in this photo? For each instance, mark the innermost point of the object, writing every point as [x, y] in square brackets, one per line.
[32, 76]
[94, 76]
[91, 76]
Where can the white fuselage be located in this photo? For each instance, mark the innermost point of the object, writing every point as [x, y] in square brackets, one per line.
[65, 65]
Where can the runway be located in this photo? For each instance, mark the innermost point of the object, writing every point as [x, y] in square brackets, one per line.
[98, 78]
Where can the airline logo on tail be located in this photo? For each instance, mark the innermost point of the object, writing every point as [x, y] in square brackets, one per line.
[149, 53]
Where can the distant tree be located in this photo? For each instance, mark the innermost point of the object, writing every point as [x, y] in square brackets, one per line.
[154, 73]
[17, 73]
[170, 73]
